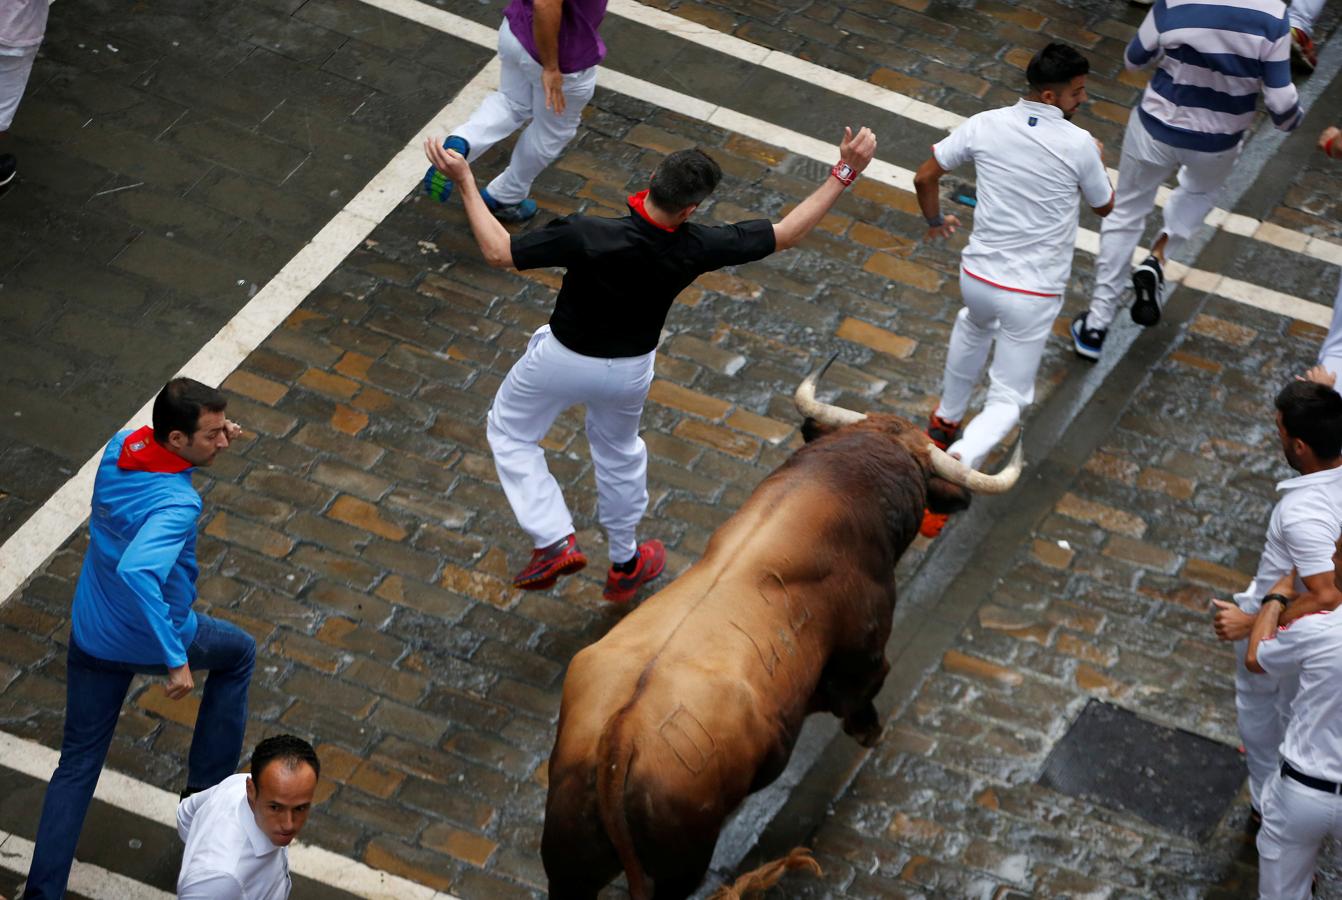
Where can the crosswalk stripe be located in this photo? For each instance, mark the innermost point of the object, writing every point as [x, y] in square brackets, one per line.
[94, 882]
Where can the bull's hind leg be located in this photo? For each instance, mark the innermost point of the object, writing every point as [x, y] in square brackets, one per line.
[579, 859]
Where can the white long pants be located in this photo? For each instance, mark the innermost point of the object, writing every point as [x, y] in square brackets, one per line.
[1296, 819]
[1143, 167]
[1019, 324]
[1262, 711]
[1303, 14]
[521, 97]
[548, 379]
[16, 64]
[1330, 354]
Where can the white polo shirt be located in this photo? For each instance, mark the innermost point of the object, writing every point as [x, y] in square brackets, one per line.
[1301, 534]
[227, 856]
[1030, 163]
[1311, 649]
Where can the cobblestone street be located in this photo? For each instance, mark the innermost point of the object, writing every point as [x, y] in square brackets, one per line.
[358, 530]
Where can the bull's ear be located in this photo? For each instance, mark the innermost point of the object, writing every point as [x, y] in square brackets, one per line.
[944, 497]
[811, 429]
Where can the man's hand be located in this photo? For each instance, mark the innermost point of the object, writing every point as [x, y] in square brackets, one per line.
[1319, 375]
[1099, 145]
[232, 430]
[1230, 622]
[945, 229]
[552, 80]
[179, 683]
[1330, 142]
[449, 162]
[857, 151]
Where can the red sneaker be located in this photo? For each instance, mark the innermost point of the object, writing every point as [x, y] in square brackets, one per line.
[932, 523]
[621, 587]
[1304, 54]
[548, 563]
[942, 433]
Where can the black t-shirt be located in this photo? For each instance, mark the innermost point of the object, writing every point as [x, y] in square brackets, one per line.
[624, 274]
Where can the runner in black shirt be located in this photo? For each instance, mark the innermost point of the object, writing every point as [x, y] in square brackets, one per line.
[622, 277]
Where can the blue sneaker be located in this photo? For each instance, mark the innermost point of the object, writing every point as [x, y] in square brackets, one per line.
[1087, 342]
[511, 212]
[436, 184]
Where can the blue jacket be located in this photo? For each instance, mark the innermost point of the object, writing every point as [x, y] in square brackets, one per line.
[133, 600]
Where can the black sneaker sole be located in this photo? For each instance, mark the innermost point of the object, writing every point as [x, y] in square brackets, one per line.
[1146, 284]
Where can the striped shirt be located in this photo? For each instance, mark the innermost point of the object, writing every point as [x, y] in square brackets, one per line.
[1215, 57]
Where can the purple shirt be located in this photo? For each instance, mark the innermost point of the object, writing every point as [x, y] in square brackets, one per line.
[580, 46]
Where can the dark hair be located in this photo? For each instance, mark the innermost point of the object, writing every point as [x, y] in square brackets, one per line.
[684, 179]
[1054, 65]
[177, 407]
[287, 749]
[1312, 413]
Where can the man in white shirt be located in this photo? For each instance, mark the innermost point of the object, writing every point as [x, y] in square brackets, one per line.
[1301, 535]
[237, 831]
[1031, 164]
[1302, 798]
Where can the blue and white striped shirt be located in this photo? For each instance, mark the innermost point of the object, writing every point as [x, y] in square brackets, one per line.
[1215, 57]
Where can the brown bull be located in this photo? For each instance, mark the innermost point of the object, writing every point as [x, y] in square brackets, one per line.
[696, 698]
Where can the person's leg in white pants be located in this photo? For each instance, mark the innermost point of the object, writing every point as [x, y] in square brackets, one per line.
[1260, 722]
[1200, 178]
[1144, 165]
[619, 455]
[1017, 326]
[1303, 14]
[1296, 819]
[1330, 354]
[548, 134]
[505, 110]
[531, 397]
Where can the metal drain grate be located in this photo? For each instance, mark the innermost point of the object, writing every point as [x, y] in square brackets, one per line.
[1174, 779]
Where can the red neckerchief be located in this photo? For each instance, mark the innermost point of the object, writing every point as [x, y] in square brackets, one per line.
[636, 203]
[141, 453]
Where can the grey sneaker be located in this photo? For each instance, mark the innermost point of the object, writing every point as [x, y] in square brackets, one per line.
[511, 212]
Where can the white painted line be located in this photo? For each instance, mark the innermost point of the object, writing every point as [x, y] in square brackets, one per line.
[883, 98]
[95, 882]
[157, 805]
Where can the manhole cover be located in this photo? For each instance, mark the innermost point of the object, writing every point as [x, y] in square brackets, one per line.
[1176, 780]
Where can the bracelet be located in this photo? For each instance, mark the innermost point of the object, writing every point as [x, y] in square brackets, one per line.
[1284, 600]
[936, 221]
[843, 172]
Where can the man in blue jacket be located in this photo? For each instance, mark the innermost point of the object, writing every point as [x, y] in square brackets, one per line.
[132, 613]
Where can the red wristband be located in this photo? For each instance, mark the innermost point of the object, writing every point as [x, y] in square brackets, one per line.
[843, 172]
[1328, 148]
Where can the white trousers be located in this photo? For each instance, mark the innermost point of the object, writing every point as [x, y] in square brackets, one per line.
[1296, 819]
[1262, 711]
[521, 97]
[1143, 167]
[1330, 354]
[1303, 14]
[16, 64]
[1019, 324]
[548, 379]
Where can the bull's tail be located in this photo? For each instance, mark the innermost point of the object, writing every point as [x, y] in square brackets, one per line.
[614, 756]
[767, 875]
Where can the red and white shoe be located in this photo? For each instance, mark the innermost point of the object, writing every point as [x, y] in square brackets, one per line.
[548, 563]
[1304, 55]
[621, 587]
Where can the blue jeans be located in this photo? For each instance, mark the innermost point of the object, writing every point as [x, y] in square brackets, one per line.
[94, 692]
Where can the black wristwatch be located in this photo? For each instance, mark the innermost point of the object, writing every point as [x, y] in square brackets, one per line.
[1284, 600]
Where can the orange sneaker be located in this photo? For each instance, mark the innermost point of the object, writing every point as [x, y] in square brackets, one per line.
[621, 587]
[1304, 54]
[942, 433]
[932, 523]
[548, 563]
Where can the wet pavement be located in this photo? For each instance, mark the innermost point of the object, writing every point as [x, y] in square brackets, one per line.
[359, 533]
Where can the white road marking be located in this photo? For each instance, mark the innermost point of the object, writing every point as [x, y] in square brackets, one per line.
[157, 805]
[95, 882]
[894, 102]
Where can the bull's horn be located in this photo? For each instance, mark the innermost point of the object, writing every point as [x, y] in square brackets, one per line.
[824, 413]
[956, 472]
